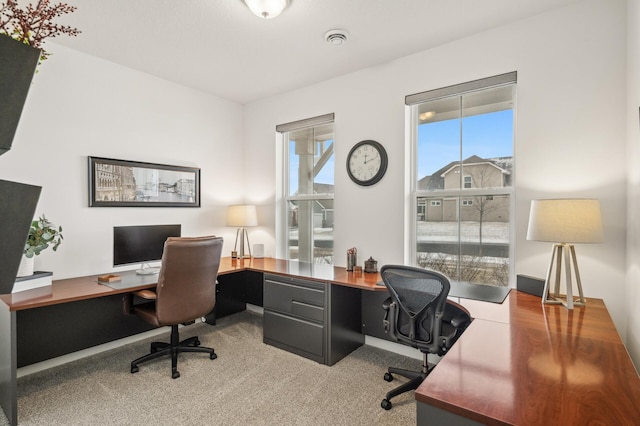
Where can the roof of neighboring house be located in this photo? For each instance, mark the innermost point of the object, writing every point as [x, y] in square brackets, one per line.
[436, 180]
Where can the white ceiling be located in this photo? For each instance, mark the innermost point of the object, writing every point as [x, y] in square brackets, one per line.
[220, 47]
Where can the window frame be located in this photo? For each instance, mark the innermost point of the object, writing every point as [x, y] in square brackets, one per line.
[412, 194]
[282, 189]
[467, 180]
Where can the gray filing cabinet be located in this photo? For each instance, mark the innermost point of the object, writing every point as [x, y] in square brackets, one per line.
[313, 319]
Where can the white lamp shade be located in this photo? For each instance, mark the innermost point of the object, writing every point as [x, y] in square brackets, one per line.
[241, 216]
[565, 221]
[267, 9]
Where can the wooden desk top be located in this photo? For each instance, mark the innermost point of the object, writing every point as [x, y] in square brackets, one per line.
[327, 273]
[521, 363]
[82, 288]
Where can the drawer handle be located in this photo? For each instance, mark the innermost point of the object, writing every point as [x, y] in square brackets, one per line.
[296, 302]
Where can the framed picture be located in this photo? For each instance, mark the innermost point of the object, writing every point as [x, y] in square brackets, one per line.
[120, 183]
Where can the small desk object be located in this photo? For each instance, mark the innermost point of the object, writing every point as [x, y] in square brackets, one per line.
[518, 363]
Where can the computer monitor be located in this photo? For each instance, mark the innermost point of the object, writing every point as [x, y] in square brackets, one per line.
[141, 244]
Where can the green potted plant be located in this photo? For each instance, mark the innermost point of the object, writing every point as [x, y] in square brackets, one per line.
[42, 235]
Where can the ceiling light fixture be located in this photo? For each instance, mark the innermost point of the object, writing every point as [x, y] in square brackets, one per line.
[424, 116]
[336, 37]
[267, 9]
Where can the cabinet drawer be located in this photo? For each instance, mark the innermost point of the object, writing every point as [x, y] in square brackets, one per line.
[308, 311]
[294, 333]
[295, 298]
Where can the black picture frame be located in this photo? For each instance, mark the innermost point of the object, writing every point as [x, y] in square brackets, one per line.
[122, 183]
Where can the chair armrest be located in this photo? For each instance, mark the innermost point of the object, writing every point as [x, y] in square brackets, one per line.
[146, 294]
[386, 304]
[460, 321]
[456, 315]
[389, 320]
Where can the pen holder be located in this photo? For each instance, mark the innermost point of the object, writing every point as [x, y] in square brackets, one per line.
[351, 261]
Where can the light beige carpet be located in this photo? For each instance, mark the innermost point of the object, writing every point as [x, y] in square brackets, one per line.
[249, 384]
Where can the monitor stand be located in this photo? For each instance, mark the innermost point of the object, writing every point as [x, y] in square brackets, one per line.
[147, 270]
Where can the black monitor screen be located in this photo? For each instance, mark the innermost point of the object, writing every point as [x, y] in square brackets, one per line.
[139, 244]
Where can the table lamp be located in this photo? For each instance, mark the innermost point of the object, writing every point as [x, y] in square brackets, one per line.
[564, 222]
[242, 216]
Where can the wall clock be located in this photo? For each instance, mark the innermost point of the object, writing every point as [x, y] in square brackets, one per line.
[367, 162]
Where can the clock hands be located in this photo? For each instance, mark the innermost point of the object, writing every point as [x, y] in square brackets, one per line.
[366, 161]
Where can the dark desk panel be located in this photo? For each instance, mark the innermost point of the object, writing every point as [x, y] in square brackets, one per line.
[51, 331]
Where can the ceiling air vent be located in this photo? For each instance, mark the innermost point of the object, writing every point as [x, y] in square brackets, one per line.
[336, 37]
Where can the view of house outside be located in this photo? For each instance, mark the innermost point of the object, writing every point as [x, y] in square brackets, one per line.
[464, 172]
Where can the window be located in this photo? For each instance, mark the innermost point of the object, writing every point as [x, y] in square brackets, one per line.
[462, 169]
[467, 182]
[309, 186]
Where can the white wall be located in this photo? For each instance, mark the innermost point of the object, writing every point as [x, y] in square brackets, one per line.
[570, 134]
[81, 106]
[633, 162]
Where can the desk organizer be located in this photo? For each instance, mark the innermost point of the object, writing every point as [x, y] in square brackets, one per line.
[109, 278]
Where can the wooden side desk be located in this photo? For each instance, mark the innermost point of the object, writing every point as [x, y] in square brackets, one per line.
[522, 363]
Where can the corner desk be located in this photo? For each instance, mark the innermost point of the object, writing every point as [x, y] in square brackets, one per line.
[518, 363]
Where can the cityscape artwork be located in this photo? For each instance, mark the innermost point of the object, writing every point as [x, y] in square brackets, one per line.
[120, 183]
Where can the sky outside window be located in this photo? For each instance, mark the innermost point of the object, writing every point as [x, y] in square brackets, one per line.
[487, 135]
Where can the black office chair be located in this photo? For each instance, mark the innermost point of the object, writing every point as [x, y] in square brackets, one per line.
[418, 314]
[186, 291]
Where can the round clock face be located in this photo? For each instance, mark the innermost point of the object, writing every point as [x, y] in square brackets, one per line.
[367, 162]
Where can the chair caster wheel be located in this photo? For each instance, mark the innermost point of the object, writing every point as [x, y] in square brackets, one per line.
[388, 377]
[175, 375]
[213, 356]
[134, 369]
[386, 404]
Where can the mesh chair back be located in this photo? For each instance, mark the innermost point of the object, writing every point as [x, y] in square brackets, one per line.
[420, 296]
[187, 281]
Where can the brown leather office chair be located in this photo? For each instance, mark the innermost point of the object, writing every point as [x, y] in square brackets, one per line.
[418, 314]
[186, 291]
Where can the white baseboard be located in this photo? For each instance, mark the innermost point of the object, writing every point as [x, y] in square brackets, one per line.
[254, 308]
[393, 347]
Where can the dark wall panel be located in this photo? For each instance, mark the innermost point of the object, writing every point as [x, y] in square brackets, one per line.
[17, 65]
[18, 203]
